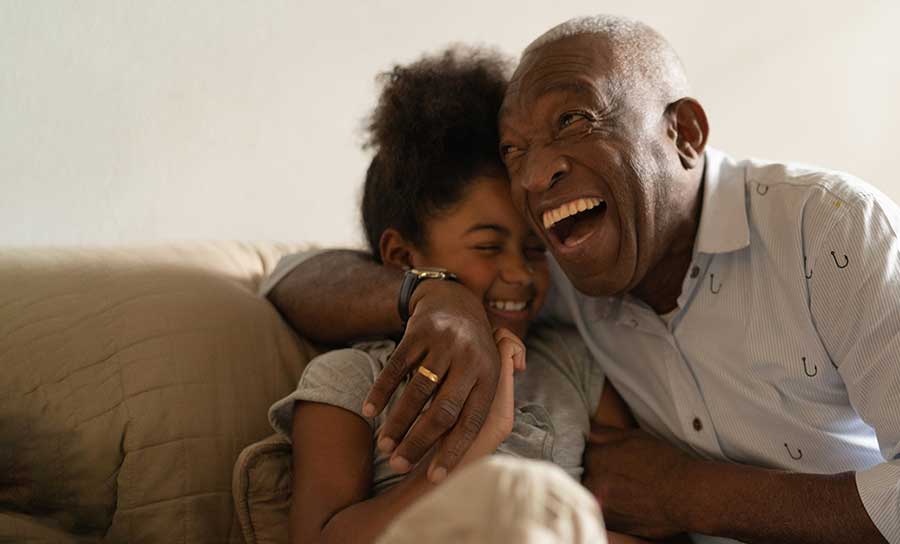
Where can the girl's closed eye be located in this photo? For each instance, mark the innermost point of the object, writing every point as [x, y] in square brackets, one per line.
[489, 248]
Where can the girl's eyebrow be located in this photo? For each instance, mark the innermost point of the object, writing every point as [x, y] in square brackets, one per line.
[499, 229]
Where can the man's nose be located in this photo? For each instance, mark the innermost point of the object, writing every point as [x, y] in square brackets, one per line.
[545, 168]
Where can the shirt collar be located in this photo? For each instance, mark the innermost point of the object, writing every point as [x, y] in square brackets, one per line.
[723, 218]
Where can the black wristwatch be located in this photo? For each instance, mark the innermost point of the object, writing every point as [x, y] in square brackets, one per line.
[411, 279]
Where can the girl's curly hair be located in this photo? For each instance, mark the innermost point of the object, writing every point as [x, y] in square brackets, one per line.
[433, 130]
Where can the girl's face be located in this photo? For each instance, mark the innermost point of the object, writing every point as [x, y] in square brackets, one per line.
[490, 247]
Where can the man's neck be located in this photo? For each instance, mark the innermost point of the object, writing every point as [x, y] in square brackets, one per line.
[661, 286]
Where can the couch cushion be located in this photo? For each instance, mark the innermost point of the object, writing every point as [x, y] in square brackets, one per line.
[132, 380]
[262, 490]
[25, 529]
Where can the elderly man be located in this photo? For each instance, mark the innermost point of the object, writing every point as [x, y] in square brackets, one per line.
[748, 312]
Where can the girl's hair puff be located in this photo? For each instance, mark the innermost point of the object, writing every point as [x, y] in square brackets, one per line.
[433, 130]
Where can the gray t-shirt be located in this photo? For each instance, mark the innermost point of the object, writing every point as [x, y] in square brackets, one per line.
[555, 397]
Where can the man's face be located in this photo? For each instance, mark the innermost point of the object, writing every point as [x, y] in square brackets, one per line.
[589, 162]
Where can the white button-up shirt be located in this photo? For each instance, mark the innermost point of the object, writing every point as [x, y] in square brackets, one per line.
[784, 351]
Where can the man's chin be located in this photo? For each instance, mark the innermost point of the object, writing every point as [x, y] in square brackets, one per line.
[606, 283]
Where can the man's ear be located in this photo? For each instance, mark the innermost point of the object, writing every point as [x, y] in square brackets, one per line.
[395, 250]
[689, 129]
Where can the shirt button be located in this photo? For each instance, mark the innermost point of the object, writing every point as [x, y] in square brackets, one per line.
[698, 425]
[695, 272]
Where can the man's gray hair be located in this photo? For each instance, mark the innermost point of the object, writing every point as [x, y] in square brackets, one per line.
[636, 48]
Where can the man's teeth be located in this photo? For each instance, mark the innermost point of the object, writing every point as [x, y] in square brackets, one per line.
[554, 216]
[507, 305]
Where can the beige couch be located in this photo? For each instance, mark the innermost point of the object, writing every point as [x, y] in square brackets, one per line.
[131, 380]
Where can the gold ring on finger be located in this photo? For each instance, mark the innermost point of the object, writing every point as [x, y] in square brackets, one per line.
[428, 374]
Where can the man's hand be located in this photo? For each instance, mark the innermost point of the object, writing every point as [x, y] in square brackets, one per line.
[448, 333]
[502, 416]
[635, 477]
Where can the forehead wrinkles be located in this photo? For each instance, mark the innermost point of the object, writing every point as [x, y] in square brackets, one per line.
[551, 71]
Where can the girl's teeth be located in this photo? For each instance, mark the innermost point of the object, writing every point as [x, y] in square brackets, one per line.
[507, 306]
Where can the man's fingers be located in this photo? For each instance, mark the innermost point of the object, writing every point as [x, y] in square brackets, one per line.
[456, 444]
[423, 381]
[406, 355]
[440, 416]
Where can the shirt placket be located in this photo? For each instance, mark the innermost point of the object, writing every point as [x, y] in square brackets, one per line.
[696, 424]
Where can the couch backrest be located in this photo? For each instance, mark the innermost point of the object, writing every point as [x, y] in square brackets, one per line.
[131, 380]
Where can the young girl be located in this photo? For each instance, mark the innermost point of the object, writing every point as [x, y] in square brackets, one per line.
[436, 195]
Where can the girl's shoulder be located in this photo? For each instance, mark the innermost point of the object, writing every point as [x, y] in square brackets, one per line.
[359, 365]
[340, 378]
[555, 339]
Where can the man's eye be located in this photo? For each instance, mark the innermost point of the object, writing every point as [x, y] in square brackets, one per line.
[487, 248]
[507, 150]
[571, 117]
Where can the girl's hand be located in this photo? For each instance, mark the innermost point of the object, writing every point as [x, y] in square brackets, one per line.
[500, 419]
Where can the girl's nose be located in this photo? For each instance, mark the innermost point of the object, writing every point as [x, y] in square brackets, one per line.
[517, 271]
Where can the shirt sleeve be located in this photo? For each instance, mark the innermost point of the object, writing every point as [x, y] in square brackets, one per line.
[855, 304]
[563, 348]
[584, 365]
[340, 378]
[285, 266]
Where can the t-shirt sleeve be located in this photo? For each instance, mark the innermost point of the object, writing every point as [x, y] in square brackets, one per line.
[586, 366]
[285, 266]
[340, 378]
[565, 348]
[556, 308]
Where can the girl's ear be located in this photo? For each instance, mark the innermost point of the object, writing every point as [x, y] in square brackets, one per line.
[395, 250]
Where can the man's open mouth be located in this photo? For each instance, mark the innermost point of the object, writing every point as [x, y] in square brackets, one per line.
[573, 222]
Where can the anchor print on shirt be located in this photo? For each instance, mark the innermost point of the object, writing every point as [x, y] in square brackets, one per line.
[840, 262]
[712, 286]
[815, 369]
[837, 263]
[795, 456]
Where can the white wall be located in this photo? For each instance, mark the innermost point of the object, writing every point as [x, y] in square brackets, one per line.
[125, 121]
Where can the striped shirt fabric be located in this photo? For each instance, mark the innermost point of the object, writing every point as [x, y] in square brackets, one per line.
[784, 351]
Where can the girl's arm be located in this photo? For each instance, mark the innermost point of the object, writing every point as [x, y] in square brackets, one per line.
[332, 464]
[612, 410]
[332, 479]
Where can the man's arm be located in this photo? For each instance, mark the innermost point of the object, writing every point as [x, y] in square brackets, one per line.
[721, 499]
[649, 488]
[757, 505]
[338, 296]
